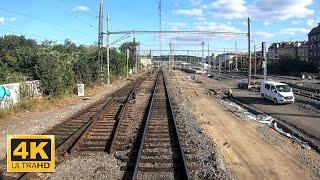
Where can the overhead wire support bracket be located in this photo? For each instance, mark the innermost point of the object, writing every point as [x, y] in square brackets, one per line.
[180, 32]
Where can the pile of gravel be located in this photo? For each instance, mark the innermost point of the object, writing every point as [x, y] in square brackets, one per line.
[195, 138]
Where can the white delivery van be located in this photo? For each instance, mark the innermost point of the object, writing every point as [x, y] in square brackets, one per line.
[279, 93]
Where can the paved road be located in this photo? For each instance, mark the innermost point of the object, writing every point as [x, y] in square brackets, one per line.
[304, 122]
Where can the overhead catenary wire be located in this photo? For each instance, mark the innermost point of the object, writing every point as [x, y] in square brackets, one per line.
[42, 20]
[31, 35]
[77, 17]
[84, 12]
[181, 32]
[94, 9]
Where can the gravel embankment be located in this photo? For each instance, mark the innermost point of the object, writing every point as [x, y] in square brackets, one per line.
[40, 122]
[196, 139]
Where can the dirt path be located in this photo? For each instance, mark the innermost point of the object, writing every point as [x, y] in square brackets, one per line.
[250, 150]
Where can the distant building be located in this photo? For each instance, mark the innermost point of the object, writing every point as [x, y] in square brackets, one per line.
[230, 57]
[314, 45]
[295, 50]
[302, 52]
[145, 61]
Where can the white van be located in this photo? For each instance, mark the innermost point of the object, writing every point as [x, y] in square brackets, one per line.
[279, 93]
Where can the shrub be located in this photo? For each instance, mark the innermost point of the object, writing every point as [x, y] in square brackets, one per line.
[55, 74]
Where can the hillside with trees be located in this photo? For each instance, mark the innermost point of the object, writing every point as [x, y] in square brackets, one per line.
[58, 66]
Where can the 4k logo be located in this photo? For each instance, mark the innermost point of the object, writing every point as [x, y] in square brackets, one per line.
[31, 153]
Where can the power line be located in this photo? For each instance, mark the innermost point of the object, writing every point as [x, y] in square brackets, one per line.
[180, 32]
[77, 18]
[281, 40]
[84, 12]
[91, 8]
[42, 20]
[32, 35]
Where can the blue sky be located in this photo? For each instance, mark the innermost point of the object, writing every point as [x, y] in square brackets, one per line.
[272, 20]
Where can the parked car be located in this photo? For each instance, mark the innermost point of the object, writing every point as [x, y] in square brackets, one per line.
[279, 93]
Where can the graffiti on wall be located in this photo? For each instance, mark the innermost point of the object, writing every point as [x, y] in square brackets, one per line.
[34, 88]
[4, 92]
[10, 93]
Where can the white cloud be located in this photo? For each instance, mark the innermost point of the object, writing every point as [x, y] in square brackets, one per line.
[177, 24]
[2, 20]
[312, 22]
[264, 35]
[282, 10]
[204, 26]
[229, 9]
[12, 19]
[260, 9]
[189, 12]
[81, 8]
[213, 26]
[201, 18]
[295, 22]
[266, 23]
[195, 1]
[294, 31]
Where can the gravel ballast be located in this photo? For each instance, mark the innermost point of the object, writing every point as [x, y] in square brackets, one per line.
[86, 166]
[196, 138]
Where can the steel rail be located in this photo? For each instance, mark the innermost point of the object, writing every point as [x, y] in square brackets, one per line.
[184, 172]
[73, 144]
[114, 135]
[97, 117]
[136, 166]
[67, 144]
[181, 153]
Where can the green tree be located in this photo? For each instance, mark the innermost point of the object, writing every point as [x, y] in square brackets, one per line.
[55, 75]
[132, 48]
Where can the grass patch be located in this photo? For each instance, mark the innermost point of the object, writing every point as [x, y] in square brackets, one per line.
[36, 104]
[24, 105]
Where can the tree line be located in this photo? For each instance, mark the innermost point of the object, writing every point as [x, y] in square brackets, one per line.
[59, 67]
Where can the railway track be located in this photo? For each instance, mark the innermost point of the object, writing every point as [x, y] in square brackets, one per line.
[94, 128]
[155, 151]
[159, 152]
